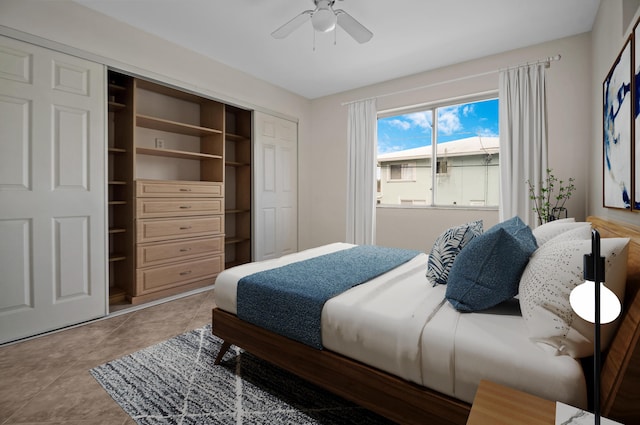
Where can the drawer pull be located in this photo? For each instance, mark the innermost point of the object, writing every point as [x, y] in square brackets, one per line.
[185, 249]
[185, 273]
[185, 207]
[184, 189]
[185, 227]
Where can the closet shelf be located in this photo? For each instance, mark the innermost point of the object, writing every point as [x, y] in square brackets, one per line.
[116, 87]
[174, 126]
[117, 257]
[235, 137]
[176, 154]
[229, 241]
[237, 164]
[117, 295]
[115, 106]
[237, 211]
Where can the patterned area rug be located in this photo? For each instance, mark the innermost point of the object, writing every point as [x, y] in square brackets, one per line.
[176, 382]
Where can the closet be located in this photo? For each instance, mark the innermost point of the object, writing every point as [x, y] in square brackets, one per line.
[179, 189]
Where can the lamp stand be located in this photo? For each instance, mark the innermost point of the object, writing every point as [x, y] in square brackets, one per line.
[594, 271]
[582, 304]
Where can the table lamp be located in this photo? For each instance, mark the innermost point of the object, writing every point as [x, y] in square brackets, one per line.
[595, 303]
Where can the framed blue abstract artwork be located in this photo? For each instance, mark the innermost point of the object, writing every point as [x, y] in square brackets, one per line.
[617, 132]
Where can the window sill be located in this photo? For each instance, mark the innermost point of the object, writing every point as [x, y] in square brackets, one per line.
[438, 207]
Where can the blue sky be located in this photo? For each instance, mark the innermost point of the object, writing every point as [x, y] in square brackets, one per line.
[413, 130]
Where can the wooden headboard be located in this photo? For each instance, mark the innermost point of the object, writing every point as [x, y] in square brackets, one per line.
[620, 374]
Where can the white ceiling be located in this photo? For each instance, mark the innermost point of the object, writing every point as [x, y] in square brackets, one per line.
[410, 36]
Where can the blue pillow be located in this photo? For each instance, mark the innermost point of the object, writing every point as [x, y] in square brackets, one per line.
[446, 248]
[488, 270]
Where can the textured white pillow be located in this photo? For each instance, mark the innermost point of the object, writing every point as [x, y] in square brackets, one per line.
[576, 233]
[552, 272]
[552, 229]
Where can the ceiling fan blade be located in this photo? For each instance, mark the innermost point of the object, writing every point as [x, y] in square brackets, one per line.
[355, 29]
[292, 25]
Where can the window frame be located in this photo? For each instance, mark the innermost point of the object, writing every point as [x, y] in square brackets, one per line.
[433, 107]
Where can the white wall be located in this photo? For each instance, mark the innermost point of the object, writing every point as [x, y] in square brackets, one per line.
[570, 134]
[608, 37]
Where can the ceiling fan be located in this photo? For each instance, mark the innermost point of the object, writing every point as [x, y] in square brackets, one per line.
[324, 19]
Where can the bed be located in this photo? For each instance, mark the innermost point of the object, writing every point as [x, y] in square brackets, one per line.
[391, 384]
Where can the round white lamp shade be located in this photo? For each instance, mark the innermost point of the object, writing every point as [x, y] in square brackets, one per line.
[324, 19]
[582, 300]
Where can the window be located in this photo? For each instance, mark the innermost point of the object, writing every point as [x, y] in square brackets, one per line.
[461, 139]
[441, 167]
[401, 171]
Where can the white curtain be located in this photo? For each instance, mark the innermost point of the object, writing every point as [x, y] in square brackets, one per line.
[361, 172]
[523, 139]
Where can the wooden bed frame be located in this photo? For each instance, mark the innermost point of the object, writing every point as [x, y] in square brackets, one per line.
[408, 403]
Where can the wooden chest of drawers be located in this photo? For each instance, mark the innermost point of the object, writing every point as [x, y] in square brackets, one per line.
[179, 236]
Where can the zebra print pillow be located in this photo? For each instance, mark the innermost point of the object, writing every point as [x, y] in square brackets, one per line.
[446, 248]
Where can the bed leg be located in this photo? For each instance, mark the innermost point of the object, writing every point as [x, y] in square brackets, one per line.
[223, 350]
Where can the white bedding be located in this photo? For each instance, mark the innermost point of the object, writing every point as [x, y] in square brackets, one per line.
[400, 323]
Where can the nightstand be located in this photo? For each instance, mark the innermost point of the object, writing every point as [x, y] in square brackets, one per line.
[495, 404]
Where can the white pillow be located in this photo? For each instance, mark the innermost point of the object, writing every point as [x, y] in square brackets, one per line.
[549, 230]
[576, 233]
[553, 271]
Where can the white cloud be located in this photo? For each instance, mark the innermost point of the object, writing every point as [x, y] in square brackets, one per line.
[389, 147]
[420, 119]
[449, 120]
[486, 132]
[386, 145]
[403, 125]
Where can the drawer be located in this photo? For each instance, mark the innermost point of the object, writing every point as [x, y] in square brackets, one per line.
[164, 277]
[161, 207]
[181, 189]
[164, 252]
[152, 230]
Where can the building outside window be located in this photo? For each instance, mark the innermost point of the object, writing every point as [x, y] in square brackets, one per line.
[464, 140]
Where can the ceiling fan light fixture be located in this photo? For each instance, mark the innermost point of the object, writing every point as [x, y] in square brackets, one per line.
[324, 18]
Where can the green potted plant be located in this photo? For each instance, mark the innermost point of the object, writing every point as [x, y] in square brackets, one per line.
[549, 202]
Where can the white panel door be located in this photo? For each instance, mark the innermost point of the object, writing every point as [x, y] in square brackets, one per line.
[275, 187]
[52, 190]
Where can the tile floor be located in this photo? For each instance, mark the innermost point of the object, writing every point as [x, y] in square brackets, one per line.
[46, 380]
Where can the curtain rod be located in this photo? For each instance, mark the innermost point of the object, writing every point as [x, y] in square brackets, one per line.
[547, 61]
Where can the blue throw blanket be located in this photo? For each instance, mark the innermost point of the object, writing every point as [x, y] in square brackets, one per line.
[288, 300]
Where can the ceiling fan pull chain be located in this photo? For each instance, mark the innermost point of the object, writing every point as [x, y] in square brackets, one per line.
[314, 41]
